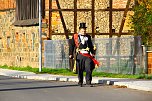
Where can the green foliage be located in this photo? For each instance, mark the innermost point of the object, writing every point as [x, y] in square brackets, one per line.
[28, 68]
[144, 76]
[59, 71]
[142, 21]
[112, 75]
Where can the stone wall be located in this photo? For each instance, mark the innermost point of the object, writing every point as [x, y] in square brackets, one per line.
[18, 45]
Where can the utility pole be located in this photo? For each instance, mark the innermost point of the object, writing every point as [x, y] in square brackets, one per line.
[40, 37]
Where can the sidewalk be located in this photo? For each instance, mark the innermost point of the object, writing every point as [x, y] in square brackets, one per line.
[145, 85]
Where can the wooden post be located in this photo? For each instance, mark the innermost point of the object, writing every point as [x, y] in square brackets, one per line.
[75, 16]
[110, 18]
[50, 20]
[93, 18]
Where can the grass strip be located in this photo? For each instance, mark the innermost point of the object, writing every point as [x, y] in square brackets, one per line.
[67, 72]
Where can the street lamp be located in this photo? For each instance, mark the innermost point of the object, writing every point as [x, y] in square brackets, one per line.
[40, 37]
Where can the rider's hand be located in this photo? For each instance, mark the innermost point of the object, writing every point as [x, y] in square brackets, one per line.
[93, 55]
[70, 56]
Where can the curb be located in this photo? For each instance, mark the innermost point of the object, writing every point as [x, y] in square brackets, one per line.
[96, 81]
[56, 78]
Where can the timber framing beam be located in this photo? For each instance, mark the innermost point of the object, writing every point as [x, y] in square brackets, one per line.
[75, 16]
[124, 18]
[114, 34]
[107, 9]
[50, 20]
[62, 20]
[110, 18]
[93, 19]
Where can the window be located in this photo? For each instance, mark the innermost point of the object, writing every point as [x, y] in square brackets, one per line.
[27, 12]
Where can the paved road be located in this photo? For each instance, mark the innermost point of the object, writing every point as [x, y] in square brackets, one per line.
[31, 90]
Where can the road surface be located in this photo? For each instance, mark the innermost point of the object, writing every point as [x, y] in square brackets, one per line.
[12, 89]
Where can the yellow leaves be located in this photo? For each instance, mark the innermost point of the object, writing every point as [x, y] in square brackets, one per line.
[143, 1]
[147, 3]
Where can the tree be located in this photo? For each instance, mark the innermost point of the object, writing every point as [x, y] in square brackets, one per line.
[142, 20]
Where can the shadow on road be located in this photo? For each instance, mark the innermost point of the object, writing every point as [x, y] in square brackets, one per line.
[20, 82]
[45, 87]
[4, 81]
[6, 78]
